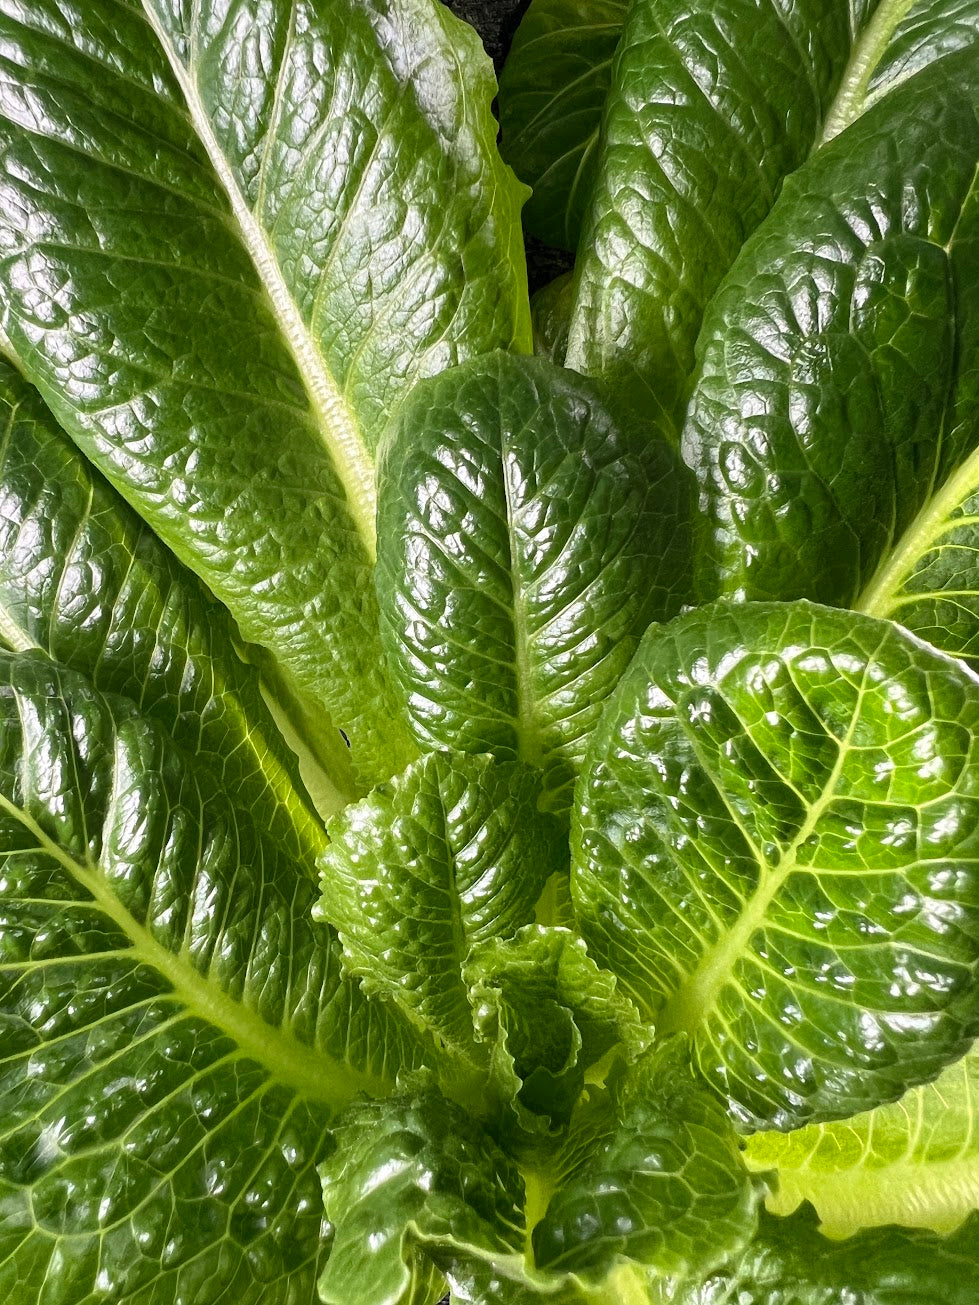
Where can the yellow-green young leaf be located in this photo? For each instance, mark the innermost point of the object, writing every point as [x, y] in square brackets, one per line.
[233, 237]
[776, 848]
[176, 1033]
[526, 539]
[915, 1162]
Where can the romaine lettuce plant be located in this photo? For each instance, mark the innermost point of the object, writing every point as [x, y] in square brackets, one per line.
[474, 821]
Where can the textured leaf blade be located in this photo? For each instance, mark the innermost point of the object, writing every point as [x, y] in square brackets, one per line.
[815, 454]
[177, 1035]
[790, 1261]
[451, 853]
[914, 1163]
[711, 106]
[163, 324]
[526, 540]
[775, 851]
[83, 579]
[552, 91]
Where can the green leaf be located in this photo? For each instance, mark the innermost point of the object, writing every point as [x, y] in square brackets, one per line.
[552, 90]
[526, 539]
[550, 1015]
[233, 236]
[414, 1185]
[776, 850]
[661, 1193]
[712, 104]
[451, 853]
[176, 1034]
[84, 580]
[915, 1162]
[550, 311]
[791, 1263]
[840, 366]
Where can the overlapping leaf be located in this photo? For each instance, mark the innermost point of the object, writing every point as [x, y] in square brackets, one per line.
[232, 237]
[526, 539]
[840, 366]
[776, 850]
[915, 1162]
[176, 1033]
[451, 853]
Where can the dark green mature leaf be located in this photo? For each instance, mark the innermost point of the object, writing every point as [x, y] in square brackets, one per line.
[552, 91]
[712, 104]
[451, 853]
[176, 1035]
[549, 1014]
[83, 579]
[662, 1193]
[414, 1185]
[791, 1263]
[915, 1162]
[526, 539]
[233, 236]
[840, 368]
[777, 851]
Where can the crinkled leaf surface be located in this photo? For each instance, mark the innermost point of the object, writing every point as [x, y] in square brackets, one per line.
[549, 1014]
[526, 539]
[915, 1162]
[415, 1184]
[233, 235]
[452, 852]
[663, 1187]
[552, 91]
[776, 850]
[712, 106]
[83, 579]
[840, 365]
[176, 1032]
[550, 313]
[791, 1263]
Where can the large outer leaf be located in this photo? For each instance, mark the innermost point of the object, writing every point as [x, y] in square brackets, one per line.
[840, 361]
[552, 91]
[176, 1034]
[915, 1162]
[526, 539]
[791, 1263]
[712, 104]
[222, 286]
[83, 579]
[451, 853]
[711, 107]
[777, 850]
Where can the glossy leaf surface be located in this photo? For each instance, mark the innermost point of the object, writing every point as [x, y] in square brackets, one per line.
[549, 1015]
[776, 851]
[552, 91]
[452, 852]
[550, 312]
[176, 1033]
[664, 1187]
[712, 104]
[526, 541]
[414, 1184]
[840, 361]
[791, 1263]
[84, 580]
[184, 222]
[915, 1162]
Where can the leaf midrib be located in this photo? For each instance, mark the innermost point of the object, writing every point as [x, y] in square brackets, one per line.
[690, 1005]
[336, 422]
[286, 1059]
[866, 53]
